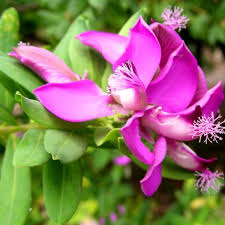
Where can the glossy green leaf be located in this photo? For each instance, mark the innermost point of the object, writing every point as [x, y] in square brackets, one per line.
[6, 98]
[12, 72]
[62, 49]
[62, 189]
[103, 135]
[82, 57]
[9, 28]
[6, 116]
[63, 145]
[133, 19]
[31, 150]
[172, 171]
[15, 189]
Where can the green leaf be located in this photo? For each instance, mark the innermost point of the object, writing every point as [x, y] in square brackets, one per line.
[31, 150]
[6, 117]
[12, 72]
[15, 189]
[83, 57]
[39, 114]
[9, 30]
[62, 189]
[103, 135]
[172, 171]
[6, 98]
[133, 19]
[65, 146]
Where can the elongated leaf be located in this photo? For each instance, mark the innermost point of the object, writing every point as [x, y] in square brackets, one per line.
[15, 189]
[31, 151]
[65, 146]
[6, 98]
[6, 117]
[133, 19]
[103, 135]
[62, 189]
[12, 71]
[82, 57]
[9, 30]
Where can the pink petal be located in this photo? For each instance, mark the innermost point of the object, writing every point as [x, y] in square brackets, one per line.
[202, 86]
[76, 101]
[168, 124]
[153, 177]
[47, 65]
[185, 157]
[143, 50]
[178, 125]
[111, 46]
[168, 39]
[133, 141]
[209, 103]
[122, 160]
[174, 88]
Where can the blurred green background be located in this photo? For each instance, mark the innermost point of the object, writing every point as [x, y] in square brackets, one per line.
[44, 22]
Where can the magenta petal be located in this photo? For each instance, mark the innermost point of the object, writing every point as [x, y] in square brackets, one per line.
[168, 39]
[111, 46]
[132, 139]
[76, 102]
[174, 88]
[47, 65]
[170, 125]
[202, 86]
[143, 50]
[209, 103]
[153, 177]
[185, 157]
[179, 126]
[122, 160]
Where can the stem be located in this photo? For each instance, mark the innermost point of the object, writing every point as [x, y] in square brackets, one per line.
[23, 127]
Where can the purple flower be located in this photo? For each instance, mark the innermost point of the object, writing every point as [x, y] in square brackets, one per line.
[157, 77]
[102, 221]
[113, 217]
[121, 209]
[122, 160]
[155, 61]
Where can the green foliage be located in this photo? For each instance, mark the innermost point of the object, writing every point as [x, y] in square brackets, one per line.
[64, 146]
[30, 150]
[15, 189]
[62, 189]
[13, 74]
[9, 28]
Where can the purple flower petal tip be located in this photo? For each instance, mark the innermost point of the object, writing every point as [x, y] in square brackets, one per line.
[186, 158]
[153, 177]
[122, 160]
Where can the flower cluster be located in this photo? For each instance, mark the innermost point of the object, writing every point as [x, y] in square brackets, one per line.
[157, 78]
